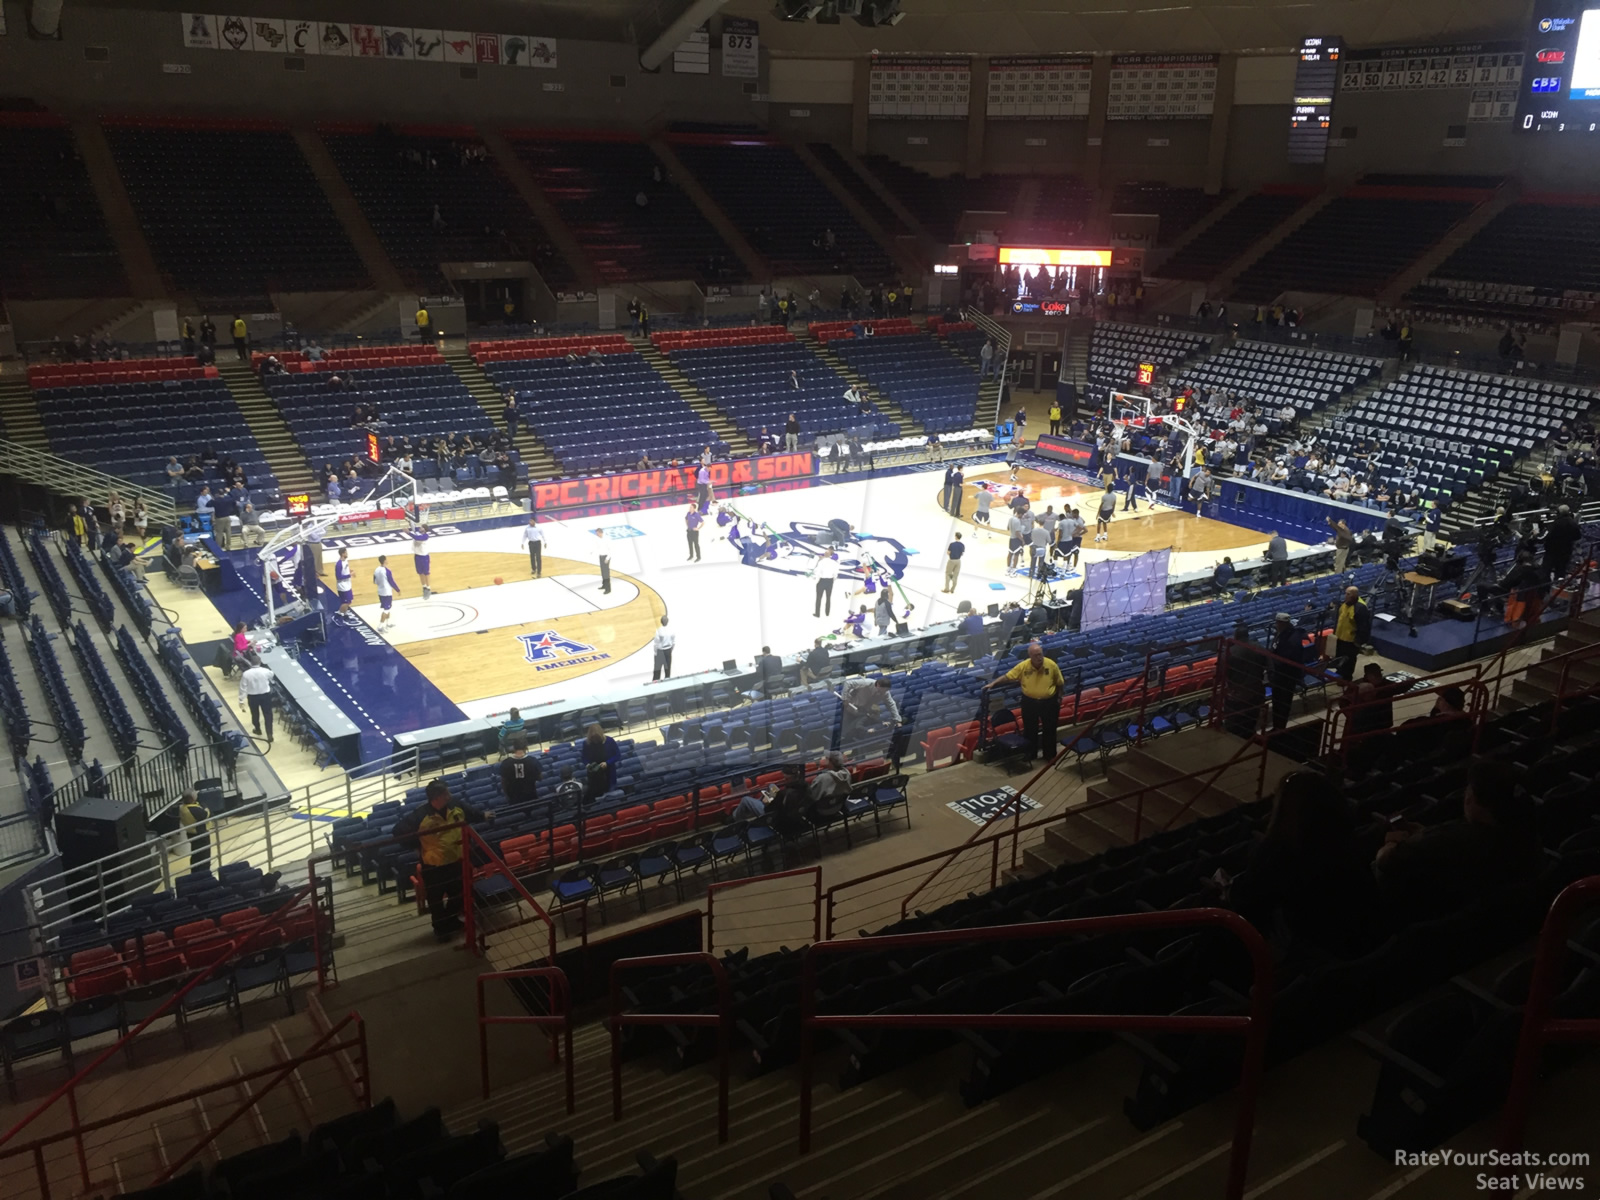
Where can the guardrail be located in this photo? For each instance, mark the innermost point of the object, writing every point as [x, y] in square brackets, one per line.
[1252, 1027]
[559, 1018]
[21, 838]
[74, 479]
[1002, 353]
[275, 833]
[721, 1020]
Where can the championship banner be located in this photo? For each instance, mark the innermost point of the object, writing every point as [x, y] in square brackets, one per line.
[1162, 87]
[693, 55]
[343, 39]
[741, 48]
[919, 87]
[672, 481]
[1050, 89]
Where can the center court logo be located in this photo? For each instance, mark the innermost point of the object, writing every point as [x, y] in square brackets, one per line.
[548, 651]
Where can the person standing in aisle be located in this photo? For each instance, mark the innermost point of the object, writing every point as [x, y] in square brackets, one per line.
[533, 539]
[255, 694]
[421, 560]
[1055, 417]
[827, 571]
[424, 322]
[437, 822]
[241, 340]
[344, 583]
[958, 480]
[663, 642]
[692, 521]
[952, 563]
[196, 822]
[791, 433]
[388, 589]
[1042, 685]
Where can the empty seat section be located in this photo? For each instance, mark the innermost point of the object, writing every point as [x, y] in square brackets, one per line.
[402, 175]
[1179, 208]
[938, 202]
[54, 242]
[1234, 232]
[1275, 375]
[917, 372]
[596, 182]
[232, 210]
[783, 209]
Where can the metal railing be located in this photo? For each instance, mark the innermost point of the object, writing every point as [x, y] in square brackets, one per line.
[154, 784]
[1251, 1026]
[730, 885]
[74, 479]
[21, 838]
[558, 1019]
[721, 1021]
[1538, 1027]
[1002, 353]
[275, 833]
[489, 863]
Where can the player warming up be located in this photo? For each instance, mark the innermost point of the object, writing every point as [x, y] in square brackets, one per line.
[344, 584]
[420, 558]
[388, 589]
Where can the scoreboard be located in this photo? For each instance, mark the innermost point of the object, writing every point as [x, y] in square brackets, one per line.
[1560, 90]
[1315, 76]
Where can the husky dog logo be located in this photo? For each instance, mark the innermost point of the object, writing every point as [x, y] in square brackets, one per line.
[234, 33]
[544, 646]
[397, 43]
[269, 33]
[333, 38]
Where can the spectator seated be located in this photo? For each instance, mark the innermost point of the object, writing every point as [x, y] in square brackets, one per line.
[1277, 376]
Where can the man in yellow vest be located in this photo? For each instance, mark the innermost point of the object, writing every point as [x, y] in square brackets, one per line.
[424, 322]
[1042, 686]
[241, 341]
[437, 822]
[1055, 417]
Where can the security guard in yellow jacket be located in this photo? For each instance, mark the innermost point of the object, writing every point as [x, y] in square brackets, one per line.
[437, 822]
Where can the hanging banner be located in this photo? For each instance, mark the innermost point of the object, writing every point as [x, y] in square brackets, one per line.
[341, 39]
[741, 48]
[1162, 87]
[1049, 89]
[1490, 71]
[936, 88]
[693, 55]
[199, 31]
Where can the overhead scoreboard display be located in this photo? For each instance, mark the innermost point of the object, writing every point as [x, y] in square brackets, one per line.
[1162, 87]
[1560, 90]
[1043, 89]
[1315, 77]
[1490, 72]
[919, 87]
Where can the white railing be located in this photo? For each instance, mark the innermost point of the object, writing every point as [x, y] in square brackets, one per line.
[74, 479]
[275, 833]
[20, 839]
[1002, 353]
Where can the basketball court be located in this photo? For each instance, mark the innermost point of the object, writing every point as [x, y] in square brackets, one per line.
[491, 636]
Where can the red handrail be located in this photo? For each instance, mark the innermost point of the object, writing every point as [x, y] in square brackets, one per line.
[242, 934]
[721, 1019]
[471, 837]
[1253, 1027]
[230, 1084]
[559, 1017]
[284, 1072]
[1537, 1026]
[731, 884]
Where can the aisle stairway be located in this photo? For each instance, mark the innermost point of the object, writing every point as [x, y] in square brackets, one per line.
[19, 415]
[702, 404]
[1543, 682]
[1082, 835]
[535, 454]
[908, 426]
[282, 452]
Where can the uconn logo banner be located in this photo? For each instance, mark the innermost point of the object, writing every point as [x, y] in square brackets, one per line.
[549, 650]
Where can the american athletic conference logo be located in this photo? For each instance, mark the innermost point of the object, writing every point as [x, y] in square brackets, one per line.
[548, 651]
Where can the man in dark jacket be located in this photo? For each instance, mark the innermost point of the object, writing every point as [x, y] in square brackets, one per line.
[519, 773]
[1564, 533]
[1286, 668]
[437, 822]
[1247, 685]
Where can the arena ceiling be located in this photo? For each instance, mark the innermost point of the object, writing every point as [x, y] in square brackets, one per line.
[961, 26]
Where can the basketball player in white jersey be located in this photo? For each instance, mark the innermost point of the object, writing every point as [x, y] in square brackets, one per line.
[388, 589]
[420, 558]
[344, 583]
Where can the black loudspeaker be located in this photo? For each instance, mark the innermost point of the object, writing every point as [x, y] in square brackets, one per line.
[1442, 567]
[95, 827]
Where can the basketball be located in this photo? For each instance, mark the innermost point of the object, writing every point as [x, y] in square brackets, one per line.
[498, 580]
